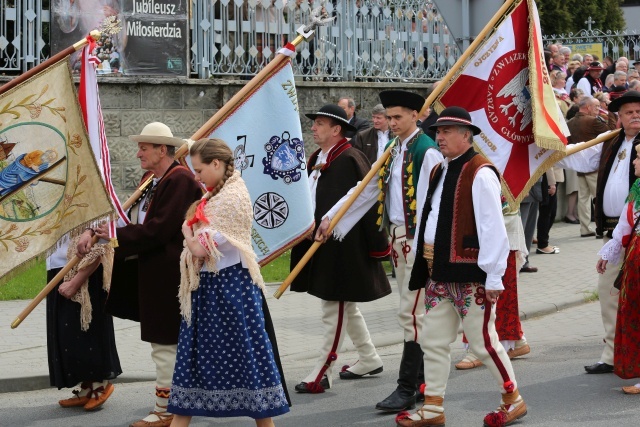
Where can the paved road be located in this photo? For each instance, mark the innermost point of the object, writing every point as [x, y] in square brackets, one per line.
[564, 280]
[551, 378]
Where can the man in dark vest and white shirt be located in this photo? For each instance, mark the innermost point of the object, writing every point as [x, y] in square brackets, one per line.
[460, 261]
[612, 159]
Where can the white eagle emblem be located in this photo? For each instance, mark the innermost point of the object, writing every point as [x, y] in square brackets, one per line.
[518, 90]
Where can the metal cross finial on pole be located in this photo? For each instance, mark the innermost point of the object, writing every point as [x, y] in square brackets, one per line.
[589, 22]
[319, 18]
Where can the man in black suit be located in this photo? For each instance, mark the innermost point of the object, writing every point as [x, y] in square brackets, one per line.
[372, 141]
[349, 107]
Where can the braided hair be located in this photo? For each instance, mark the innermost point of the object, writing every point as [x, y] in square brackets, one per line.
[210, 150]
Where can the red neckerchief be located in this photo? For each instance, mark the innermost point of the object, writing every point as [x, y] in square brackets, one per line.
[334, 152]
[199, 215]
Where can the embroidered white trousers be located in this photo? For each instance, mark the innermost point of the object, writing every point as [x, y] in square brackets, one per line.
[410, 313]
[164, 356]
[339, 317]
[441, 324]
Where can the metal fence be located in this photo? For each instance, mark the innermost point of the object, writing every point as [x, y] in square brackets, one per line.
[24, 34]
[614, 43]
[369, 40]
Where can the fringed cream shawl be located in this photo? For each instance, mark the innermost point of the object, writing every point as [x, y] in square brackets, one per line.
[229, 213]
[103, 252]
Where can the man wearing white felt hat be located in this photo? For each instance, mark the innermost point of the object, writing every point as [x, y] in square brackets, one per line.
[144, 288]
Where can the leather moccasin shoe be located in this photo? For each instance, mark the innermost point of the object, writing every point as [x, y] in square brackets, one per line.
[164, 420]
[464, 365]
[99, 396]
[438, 421]
[74, 401]
[599, 368]
[631, 389]
[348, 375]
[302, 387]
[506, 415]
[529, 269]
[519, 351]
[470, 361]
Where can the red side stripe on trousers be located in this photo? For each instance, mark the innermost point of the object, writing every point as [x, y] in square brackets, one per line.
[413, 313]
[487, 343]
[336, 340]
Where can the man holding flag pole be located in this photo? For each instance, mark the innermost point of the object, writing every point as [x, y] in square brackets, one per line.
[397, 191]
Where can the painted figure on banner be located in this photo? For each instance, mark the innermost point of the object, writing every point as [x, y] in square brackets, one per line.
[25, 167]
[33, 172]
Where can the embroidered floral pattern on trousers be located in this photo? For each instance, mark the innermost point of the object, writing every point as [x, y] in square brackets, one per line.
[460, 295]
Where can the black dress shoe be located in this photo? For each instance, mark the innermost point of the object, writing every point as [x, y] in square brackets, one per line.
[599, 368]
[529, 269]
[571, 221]
[348, 375]
[399, 400]
[588, 234]
[302, 387]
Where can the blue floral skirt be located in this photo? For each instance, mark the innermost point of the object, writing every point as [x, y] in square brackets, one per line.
[225, 365]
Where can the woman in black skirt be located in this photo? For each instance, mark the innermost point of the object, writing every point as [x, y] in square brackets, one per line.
[80, 339]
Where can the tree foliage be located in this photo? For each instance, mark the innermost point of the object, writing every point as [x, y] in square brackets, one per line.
[564, 16]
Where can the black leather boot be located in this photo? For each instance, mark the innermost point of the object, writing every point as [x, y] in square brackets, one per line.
[404, 397]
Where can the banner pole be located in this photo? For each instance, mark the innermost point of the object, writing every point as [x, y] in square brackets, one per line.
[378, 164]
[95, 35]
[467, 53]
[334, 221]
[72, 263]
[257, 80]
[574, 148]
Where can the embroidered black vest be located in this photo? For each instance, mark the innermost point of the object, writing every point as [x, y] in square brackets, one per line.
[455, 260]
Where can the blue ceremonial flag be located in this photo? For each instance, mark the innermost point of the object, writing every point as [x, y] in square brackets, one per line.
[263, 131]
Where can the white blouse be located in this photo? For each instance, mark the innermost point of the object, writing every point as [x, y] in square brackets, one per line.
[230, 254]
[613, 250]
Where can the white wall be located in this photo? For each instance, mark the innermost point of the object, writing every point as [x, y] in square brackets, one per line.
[632, 17]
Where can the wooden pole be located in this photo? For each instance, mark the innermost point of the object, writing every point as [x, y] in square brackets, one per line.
[574, 148]
[334, 221]
[226, 109]
[467, 53]
[378, 164]
[72, 263]
[49, 62]
[181, 152]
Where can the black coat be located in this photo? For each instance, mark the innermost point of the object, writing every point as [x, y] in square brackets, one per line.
[343, 271]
